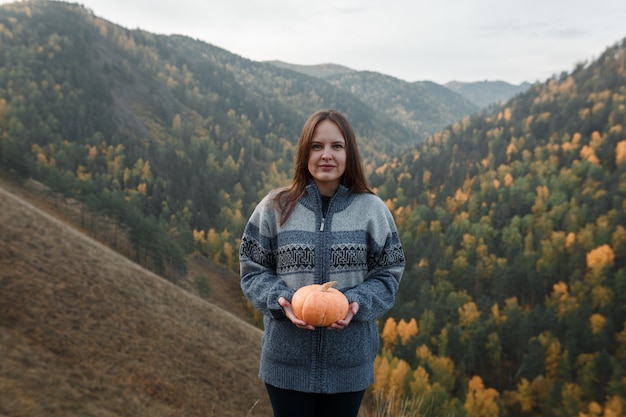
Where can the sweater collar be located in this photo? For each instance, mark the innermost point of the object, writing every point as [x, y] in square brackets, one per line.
[339, 201]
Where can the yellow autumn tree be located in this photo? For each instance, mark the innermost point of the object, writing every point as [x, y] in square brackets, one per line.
[560, 299]
[423, 353]
[508, 180]
[589, 154]
[600, 257]
[92, 153]
[468, 314]
[3, 111]
[570, 240]
[540, 389]
[596, 140]
[613, 407]
[571, 402]
[389, 334]
[497, 316]
[214, 243]
[481, 401]
[228, 255]
[406, 330]
[391, 377]
[620, 152]
[594, 410]
[398, 377]
[382, 370]
[597, 259]
[142, 188]
[553, 355]
[524, 395]
[419, 385]
[597, 322]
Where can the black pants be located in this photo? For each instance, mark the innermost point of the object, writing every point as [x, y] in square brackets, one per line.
[287, 403]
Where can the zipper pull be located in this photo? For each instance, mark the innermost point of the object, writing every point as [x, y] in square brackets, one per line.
[322, 225]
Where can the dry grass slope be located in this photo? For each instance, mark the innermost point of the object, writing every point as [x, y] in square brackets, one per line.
[85, 332]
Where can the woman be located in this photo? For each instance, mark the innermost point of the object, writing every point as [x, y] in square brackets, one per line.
[326, 226]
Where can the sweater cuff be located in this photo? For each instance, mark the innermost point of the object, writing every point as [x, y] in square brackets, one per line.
[275, 309]
[354, 299]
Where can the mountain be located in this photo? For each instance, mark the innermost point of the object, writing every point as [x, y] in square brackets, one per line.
[486, 93]
[423, 107]
[84, 331]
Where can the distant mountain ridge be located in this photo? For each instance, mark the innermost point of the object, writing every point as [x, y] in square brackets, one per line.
[486, 93]
[317, 70]
[480, 94]
[423, 107]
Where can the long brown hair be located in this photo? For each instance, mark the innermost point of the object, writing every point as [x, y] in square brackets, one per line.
[353, 177]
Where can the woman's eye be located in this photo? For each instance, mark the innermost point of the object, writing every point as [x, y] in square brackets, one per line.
[316, 147]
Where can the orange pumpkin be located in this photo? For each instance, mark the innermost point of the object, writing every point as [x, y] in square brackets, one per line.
[320, 305]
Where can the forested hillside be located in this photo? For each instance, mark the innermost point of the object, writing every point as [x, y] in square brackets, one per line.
[513, 219]
[514, 226]
[173, 137]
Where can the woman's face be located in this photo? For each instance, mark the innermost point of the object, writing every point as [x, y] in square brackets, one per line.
[327, 157]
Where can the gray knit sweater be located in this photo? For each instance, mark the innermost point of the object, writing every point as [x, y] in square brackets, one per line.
[357, 245]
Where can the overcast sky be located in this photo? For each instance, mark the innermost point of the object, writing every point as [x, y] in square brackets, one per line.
[414, 40]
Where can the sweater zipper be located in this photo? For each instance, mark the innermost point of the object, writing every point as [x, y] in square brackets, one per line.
[320, 333]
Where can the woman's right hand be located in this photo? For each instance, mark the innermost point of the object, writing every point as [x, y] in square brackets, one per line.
[286, 305]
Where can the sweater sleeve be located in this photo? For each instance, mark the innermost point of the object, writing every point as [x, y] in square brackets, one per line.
[259, 282]
[376, 294]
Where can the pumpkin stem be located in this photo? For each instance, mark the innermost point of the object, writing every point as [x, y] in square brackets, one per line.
[327, 285]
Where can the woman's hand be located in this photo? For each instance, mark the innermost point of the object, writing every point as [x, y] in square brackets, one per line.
[286, 305]
[352, 310]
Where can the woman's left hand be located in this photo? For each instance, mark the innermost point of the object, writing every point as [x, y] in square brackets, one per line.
[353, 308]
[286, 305]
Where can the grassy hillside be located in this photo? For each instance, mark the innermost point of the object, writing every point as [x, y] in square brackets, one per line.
[85, 332]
